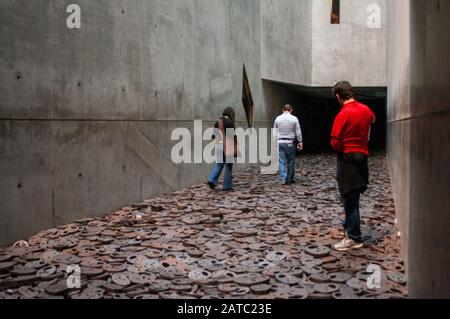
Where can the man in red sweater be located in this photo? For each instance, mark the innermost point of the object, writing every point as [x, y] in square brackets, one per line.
[350, 138]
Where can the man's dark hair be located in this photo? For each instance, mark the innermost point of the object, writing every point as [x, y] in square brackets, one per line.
[288, 108]
[345, 90]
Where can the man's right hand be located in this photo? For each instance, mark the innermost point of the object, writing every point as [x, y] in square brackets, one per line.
[300, 146]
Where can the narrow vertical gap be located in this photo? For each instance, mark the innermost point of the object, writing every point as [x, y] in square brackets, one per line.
[335, 11]
[247, 99]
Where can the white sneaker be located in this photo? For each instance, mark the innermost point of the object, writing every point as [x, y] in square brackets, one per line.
[348, 244]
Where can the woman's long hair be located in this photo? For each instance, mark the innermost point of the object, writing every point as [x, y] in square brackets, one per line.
[229, 114]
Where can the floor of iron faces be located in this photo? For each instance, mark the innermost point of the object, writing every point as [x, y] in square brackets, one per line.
[261, 241]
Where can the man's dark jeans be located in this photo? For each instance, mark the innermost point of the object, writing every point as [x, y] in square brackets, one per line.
[352, 222]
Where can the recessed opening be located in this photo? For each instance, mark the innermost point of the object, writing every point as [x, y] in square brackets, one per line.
[247, 99]
[316, 108]
[317, 114]
[335, 11]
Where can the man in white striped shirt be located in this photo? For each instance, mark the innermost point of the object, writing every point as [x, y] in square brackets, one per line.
[288, 127]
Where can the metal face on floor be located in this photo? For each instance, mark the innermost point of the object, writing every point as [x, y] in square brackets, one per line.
[263, 241]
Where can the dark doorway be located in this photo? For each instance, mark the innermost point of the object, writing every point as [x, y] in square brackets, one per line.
[316, 109]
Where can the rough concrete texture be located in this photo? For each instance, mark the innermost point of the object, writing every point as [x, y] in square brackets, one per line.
[286, 41]
[419, 137]
[349, 50]
[86, 114]
[301, 46]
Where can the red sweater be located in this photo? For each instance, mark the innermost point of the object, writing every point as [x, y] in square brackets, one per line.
[351, 129]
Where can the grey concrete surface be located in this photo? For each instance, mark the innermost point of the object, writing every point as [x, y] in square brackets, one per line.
[286, 41]
[86, 114]
[300, 46]
[349, 50]
[419, 135]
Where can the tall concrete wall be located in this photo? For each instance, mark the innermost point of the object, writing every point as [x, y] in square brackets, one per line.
[349, 50]
[301, 46]
[86, 115]
[286, 41]
[399, 75]
[419, 135]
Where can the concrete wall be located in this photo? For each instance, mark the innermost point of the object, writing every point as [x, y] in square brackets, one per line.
[399, 75]
[419, 135]
[300, 45]
[349, 50]
[86, 115]
[286, 40]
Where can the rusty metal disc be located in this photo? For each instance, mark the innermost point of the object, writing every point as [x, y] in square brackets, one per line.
[159, 286]
[286, 278]
[19, 270]
[171, 273]
[393, 266]
[320, 278]
[58, 288]
[195, 252]
[182, 281]
[121, 279]
[318, 251]
[6, 267]
[36, 264]
[223, 276]
[276, 256]
[141, 278]
[199, 275]
[211, 264]
[241, 291]
[5, 256]
[112, 287]
[356, 283]
[46, 271]
[32, 256]
[260, 289]
[91, 272]
[251, 279]
[397, 278]
[339, 277]
[91, 263]
[326, 288]
[114, 268]
[312, 270]
[228, 288]
[66, 259]
[90, 293]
